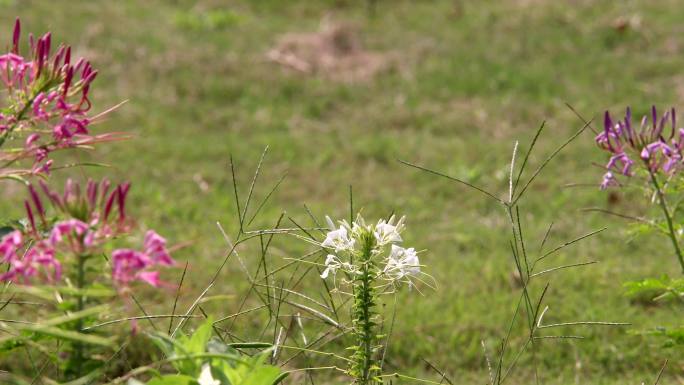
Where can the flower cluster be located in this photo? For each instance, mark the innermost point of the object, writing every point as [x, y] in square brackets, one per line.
[93, 216]
[653, 145]
[129, 265]
[345, 241]
[37, 260]
[47, 99]
[100, 206]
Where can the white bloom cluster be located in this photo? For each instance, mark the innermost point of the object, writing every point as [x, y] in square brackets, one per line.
[344, 240]
[402, 262]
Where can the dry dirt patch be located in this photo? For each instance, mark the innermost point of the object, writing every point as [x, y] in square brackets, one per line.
[335, 52]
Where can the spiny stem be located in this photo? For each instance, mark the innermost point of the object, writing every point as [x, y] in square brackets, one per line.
[364, 367]
[668, 216]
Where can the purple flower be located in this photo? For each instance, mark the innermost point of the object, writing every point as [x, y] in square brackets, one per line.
[608, 180]
[622, 163]
[658, 147]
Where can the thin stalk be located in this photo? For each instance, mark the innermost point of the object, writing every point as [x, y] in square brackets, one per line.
[668, 217]
[80, 305]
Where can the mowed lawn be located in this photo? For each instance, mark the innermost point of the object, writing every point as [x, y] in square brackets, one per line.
[467, 80]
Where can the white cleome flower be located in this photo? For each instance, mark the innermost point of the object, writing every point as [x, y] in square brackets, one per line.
[331, 265]
[205, 377]
[338, 240]
[402, 262]
[385, 233]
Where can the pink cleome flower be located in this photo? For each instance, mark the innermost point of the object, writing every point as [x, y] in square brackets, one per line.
[45, 88]
[38, 260]
[130, 265]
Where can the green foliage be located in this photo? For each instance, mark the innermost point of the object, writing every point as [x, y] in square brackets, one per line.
[670, 336]
[201, 355]
[655, 289]
[206, 20]
[467, 87]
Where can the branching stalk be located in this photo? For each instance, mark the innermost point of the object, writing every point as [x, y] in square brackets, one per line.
[668, 217]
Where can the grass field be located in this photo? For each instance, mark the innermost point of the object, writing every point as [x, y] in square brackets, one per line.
[470, 79]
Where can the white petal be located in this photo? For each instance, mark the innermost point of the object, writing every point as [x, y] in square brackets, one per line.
[206, 378]
[331, 224]
[325, 273]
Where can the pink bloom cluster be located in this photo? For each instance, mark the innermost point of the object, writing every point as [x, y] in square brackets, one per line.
[100, 206]
[129, 265]
[655, 146]
[45, 89]
[38, 260]
[94, 215]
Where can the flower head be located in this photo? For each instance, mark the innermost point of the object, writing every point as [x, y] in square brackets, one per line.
[38, 260]
[377, 248]
[132, 265]
[47, 99]
[402, 262]
[97, 205]
[658, 147]
[386, 232]
[338, 239]
[9, 245]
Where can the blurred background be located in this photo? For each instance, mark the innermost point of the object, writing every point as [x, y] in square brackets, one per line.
[339, 91]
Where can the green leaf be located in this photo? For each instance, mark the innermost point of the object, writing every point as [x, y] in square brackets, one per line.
[48, 292]
[165, 343]
[196, 344]
[64, 335]
[173, 379]
[263, 375]
[198, 341]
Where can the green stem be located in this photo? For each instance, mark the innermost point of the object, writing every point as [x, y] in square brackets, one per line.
[364, 365]
[668, 217]
[80, 305]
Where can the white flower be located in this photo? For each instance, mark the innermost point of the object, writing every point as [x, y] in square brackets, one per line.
[386, 233]
[338, 240]
[402, 262]
[331, 265]
[205, 377]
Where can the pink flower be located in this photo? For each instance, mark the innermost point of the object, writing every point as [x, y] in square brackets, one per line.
[91, 205]
[127, 264]
[131, 265]
[52, 93]
[151, 277]
[9, 245]
[155, 248]
[67, 229]
[39, 260]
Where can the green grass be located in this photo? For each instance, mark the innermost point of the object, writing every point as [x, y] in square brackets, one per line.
[473, 78]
